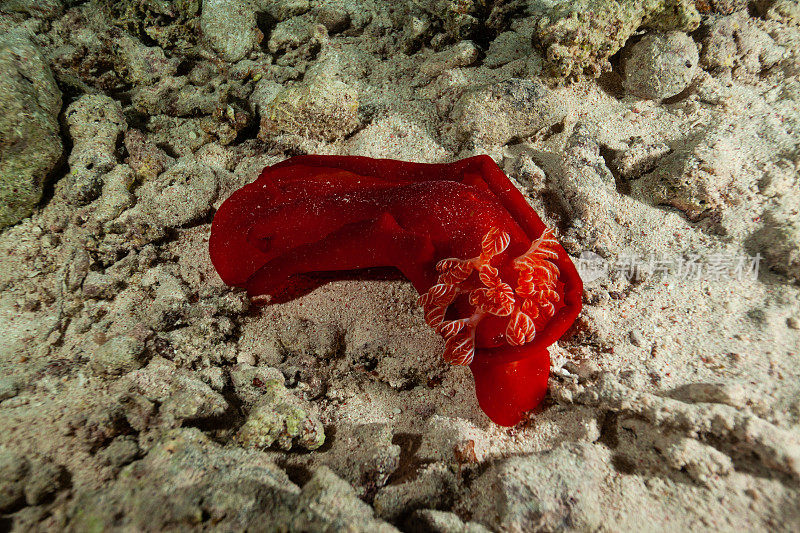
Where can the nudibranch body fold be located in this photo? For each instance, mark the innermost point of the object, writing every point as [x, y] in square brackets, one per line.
[493, 280]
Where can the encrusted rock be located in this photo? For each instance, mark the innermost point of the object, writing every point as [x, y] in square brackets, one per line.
[30, 146]
[281, 418]
[660, 65]
[509, 109]
[95, 124]
[580, 37]
[736, 46]
[322, 107]
[328, 503]
[13, 470]
[181, 195]
[230, 27]
[431, 521]
[118, 355]
[544, 491]
[250, 382]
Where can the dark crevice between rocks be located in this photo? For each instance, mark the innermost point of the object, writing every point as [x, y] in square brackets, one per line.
[608, 430]
[409, 463]
[622, 185]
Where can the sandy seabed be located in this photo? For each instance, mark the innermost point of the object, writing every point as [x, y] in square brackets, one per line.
[138, 392]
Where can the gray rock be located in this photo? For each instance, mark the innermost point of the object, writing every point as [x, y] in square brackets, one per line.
[230, 27]
[9, 387]
[118, 355]
[43, 481]
[513, 108]
[249, 382]
[281, 418]
[181, 195]
[96, 123]
[660, 65]
[321, 107]
[13, 471]
[328, 503]
[46, 9]
[30, 146]
[429, 520]
[556, 490]
[283, 9]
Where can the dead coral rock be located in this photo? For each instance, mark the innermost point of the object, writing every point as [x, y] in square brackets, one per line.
[281, 418]
[13, 471]
[95, 124]
[507, 110]
[433, 487]
[30, 146]
[660, 65]
[182, 395]
[233, 488]
[328, 503]
[587, 189]
[230, 27]
[699, 178]
[431, 521]
[322, 108]
[785, 11]
[735, 46]
[250, 382]
[181, 195]
[580, 37]
[545, 491]
[118, 355]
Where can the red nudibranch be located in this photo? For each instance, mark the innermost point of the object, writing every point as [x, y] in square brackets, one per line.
[493, 280]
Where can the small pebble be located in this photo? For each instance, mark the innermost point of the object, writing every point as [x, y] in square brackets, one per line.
[636, 338]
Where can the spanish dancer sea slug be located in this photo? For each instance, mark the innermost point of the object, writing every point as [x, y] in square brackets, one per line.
[493, 280]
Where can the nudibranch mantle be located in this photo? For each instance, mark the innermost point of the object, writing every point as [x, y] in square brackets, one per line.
[493, 280]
